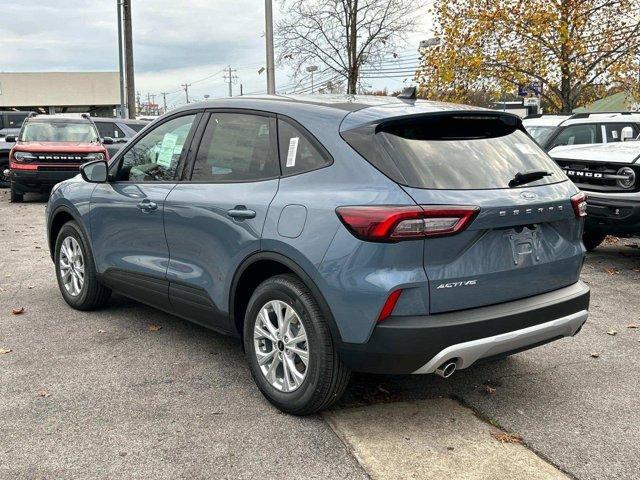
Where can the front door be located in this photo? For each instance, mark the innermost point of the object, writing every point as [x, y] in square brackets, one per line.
[215, 220]
[127, 232]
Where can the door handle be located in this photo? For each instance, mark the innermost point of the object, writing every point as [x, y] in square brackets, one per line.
[147, 206]
[241, 212]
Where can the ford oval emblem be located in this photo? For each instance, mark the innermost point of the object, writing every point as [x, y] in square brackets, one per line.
[528, 195]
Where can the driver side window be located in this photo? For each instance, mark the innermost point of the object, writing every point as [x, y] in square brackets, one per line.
[155, 156]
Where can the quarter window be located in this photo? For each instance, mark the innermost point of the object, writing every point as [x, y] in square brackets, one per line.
[297, 152]
[614, 131]
[155, 156]
[109, 129]
[236, 147]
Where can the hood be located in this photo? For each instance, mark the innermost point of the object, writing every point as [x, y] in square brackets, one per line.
[59, 147]
[618, 152]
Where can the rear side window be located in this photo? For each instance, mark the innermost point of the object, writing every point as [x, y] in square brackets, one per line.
[298, 152]
[237, 147]
[457, 152]
[613, 131]
[109, 129]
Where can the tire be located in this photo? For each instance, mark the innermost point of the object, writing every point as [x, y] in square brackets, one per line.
[325, 376]
[592, 240]
[15, 196]
[5, 181]
[92, 294]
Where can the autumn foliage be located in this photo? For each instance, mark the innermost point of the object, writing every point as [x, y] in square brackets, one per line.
[580, 49]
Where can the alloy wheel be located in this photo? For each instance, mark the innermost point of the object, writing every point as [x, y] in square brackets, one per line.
[71, 266]
[280, 345]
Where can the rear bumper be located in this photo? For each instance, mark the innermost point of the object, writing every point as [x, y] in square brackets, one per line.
[613, 216]
[402, 345]
[40, 180]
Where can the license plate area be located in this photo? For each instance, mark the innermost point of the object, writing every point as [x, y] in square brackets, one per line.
[525, 244]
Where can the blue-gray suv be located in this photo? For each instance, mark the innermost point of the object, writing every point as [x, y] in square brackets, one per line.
[332, 234]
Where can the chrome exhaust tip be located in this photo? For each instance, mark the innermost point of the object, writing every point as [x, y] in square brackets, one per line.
[446, 369]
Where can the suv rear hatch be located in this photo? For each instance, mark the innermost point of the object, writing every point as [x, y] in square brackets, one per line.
[525, 239]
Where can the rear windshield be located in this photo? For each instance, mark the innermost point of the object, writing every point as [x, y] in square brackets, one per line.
[58, 132]
[458, 152]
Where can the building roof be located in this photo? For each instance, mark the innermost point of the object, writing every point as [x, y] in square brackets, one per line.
[618, 102]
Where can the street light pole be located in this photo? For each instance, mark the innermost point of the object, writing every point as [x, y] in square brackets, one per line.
[312, 69]
[271, 74]
[123, 108]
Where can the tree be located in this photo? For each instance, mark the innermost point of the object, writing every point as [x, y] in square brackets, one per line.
[578, 49]
[341, 35]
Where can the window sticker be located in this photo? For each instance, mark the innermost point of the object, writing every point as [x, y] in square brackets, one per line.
[614, 134]
[526, 149]
[167, 150]
[293, 151]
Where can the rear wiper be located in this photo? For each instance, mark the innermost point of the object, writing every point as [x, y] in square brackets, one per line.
[523, 178]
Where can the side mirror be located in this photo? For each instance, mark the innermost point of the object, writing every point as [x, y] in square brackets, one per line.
[94, 172]
[108, 141]
[626, 134]
[10, 139]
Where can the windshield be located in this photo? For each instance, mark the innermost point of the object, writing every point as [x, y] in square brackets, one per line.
[59, 132]
[540, 133]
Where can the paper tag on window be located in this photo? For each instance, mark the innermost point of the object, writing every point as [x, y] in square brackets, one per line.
[167, 150]
[614, 134]
[293, 151]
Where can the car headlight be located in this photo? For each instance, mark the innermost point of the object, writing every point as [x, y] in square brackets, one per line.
[23, 157]
[94, 156]
[629, 181]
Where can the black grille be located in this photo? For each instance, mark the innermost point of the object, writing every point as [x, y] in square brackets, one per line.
[597, 176]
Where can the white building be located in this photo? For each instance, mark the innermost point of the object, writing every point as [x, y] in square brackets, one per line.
[61, 92]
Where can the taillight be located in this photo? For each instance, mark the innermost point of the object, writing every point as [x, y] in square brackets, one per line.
[395, 223]
[579, 202]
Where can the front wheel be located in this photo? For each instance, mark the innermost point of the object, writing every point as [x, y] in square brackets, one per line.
[289, 348]
[5, 178]
[592, 240]
[77, 278]
[16, 197]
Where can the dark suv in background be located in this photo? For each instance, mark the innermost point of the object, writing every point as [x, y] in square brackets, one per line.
[116, 132]
[10, 123]
[49, 149]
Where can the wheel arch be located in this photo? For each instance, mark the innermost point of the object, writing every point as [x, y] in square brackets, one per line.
[59, 217]
[262, 265]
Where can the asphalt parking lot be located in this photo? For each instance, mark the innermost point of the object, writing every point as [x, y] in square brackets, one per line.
[130, 392]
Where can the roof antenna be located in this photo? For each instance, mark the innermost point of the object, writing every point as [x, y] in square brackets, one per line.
[409, 93]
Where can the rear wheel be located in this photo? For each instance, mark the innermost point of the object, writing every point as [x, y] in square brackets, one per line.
[77, 278]
[592, 240]
[16, 197]
[290, 349]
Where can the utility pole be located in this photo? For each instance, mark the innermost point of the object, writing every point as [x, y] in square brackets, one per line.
[164, 101]
[128, 54]
[123, 107]
[231, 78]
[271, 73]
[186, 90]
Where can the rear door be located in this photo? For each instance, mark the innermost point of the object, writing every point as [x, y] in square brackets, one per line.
[214, 220]
[524, 241]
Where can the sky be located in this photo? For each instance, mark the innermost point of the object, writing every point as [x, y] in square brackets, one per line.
[175, 42]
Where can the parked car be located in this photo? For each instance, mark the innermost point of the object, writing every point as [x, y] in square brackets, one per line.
[5, 148]
[12, 118]
[50, 148]
[592, 128]
[328, 234]
[541, 127]
[609, 174]
[117, 131]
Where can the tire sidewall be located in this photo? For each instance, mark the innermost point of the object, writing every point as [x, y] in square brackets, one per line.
[71, 229]
[280, 289]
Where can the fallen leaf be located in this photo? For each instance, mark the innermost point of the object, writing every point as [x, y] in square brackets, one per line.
[637, 269]
[611, 240]
[154, 328]
[612, 332]
[488, 389]
[4, 351]
[632, 325]
[102, 331]
[504, 437]
[30, 286]
[611, 270]
[595, 354]
[632, 245]
[17, 310]
[43, 394]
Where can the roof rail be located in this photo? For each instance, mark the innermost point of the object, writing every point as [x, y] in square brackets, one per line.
[588, 114]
